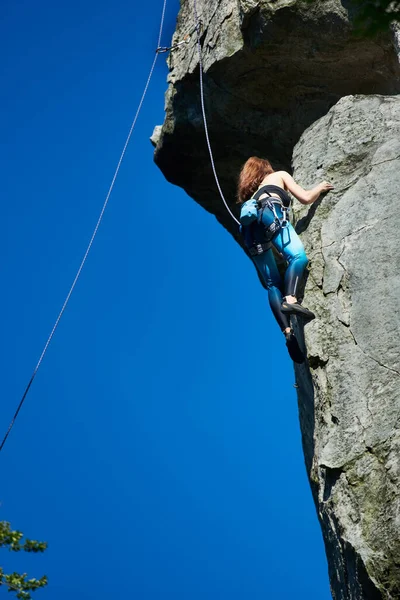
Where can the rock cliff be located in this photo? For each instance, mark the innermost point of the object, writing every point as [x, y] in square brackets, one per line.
[286, 80]
[349, 397]
[272, 69]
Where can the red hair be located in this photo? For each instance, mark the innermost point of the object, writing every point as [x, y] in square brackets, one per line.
[253, 172]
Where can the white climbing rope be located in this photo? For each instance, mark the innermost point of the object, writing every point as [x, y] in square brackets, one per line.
[204, 113]
[64, 306]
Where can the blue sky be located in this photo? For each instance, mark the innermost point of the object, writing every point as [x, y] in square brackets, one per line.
[153, 453]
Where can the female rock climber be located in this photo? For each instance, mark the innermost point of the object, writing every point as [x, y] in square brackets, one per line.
[258, 179]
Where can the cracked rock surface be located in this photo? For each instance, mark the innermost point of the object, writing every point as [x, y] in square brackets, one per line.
[350, 397]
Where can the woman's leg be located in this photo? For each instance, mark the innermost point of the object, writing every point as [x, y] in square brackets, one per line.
[268, 270]
[288, 243]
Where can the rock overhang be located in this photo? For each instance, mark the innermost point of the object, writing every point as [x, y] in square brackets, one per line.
[271, 70]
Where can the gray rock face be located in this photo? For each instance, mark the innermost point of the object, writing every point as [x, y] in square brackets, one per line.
[350, 398]
[284, 73]
[272, 69]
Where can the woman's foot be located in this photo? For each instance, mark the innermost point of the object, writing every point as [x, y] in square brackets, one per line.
[293, 347]
[296, 309]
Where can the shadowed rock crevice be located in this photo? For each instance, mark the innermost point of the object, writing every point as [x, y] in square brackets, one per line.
[331, 477]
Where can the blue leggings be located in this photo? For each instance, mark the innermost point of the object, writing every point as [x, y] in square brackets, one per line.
[288, 243]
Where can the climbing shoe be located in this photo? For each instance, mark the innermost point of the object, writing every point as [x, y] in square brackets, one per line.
[293, 348]
[297, 309]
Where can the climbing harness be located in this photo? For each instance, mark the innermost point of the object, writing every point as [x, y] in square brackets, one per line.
[256, 233]
[203, 110]
[94, 232]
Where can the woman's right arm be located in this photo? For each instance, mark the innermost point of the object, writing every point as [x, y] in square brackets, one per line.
[302, 195]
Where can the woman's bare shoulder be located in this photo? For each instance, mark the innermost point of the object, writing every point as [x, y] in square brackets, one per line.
[277, 178]
[282, 174]
[287, 179]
